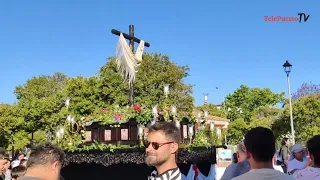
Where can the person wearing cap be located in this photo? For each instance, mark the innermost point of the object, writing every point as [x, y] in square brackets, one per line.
[4, 159]
[311, 172]
[298, 158]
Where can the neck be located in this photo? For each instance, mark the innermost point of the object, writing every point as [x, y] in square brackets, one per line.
[166, 166]
[261, 165]
[41, 173]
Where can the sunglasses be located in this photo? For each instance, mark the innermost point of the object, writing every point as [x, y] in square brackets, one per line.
[155, 145]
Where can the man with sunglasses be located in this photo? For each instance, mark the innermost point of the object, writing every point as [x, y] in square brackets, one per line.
[162, 145]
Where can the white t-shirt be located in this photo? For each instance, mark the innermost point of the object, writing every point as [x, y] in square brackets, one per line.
[308, 173]
[295, 164]
[264, 174]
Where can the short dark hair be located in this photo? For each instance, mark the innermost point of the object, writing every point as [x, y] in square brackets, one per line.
[3, 154]
[261, 143]
[18, 171]
[169, 130]
[45, 154]
[284, 140]
[313, 146]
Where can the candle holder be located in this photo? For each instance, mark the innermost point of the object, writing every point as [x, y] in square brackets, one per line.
[155, 114]
[166, 90]
[190, 132]
[140, 133]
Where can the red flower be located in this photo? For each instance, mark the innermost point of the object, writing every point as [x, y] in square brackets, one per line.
[136, 108]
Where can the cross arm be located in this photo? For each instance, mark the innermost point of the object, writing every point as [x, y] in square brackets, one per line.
[127, 36]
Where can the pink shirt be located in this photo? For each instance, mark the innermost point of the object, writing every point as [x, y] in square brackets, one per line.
[308, 173]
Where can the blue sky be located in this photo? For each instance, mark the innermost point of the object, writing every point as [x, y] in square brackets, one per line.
[225, 43]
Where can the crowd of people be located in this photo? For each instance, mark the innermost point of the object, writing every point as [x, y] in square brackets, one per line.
[255, 158]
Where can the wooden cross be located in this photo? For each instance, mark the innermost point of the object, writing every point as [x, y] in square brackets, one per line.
[132, 39]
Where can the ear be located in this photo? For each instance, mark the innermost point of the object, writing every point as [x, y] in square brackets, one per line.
[248, 155]
[174, 148]
[55, 166]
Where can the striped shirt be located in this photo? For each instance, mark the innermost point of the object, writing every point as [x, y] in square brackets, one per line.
[171, 174]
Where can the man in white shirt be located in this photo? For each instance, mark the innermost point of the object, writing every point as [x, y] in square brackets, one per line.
[260, 145]
[311, 172]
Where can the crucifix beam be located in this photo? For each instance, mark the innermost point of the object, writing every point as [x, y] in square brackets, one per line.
[132, 39]
[129, 37]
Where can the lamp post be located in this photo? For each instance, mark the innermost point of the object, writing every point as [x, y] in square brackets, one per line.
[287, 69]
[205, 98]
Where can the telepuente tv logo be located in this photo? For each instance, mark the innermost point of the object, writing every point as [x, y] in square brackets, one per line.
[302, 17]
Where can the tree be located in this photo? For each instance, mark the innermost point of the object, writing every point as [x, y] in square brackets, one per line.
[86, 94]
[244, 101]
[236, 131]
[155, 71]
[263, 116]
[10, 122]
[213, 110]
[306, 118]
[41, 102]
[305, 90]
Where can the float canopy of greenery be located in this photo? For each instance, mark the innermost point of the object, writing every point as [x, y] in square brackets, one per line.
[142, 115]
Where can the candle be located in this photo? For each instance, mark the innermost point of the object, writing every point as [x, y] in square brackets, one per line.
[211, 127]
[190, 130]
[140, 129]
[174, 109]
[177, 123]
[154, 109]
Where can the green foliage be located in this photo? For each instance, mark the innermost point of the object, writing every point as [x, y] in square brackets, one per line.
[41, 101]
[244, 101]
[306, 118]
[155, 71]
[213, 110]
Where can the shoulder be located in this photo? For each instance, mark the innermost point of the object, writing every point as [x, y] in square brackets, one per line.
[242, 177]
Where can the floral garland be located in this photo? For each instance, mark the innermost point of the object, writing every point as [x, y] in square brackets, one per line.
[119, 115]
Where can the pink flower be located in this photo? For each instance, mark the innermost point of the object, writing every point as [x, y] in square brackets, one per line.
[118, 116]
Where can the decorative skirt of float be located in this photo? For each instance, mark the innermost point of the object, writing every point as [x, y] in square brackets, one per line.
[194, 163]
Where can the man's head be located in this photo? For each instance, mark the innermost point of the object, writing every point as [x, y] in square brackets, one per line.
[313, 146]
[284, 141]
[260, 145]
[241, 152]
[4, 160]
[47, 159]
[162, 143]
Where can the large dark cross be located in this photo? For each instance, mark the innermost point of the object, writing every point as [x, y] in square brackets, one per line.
[132, 39]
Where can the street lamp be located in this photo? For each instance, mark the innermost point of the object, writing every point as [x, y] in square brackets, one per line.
[287, 69]
[205, 98]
